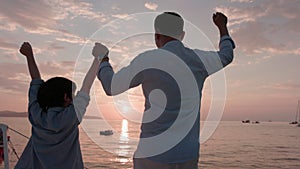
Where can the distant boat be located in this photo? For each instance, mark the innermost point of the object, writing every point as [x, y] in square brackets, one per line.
[297, 118]
[255, 122]
[106, 132]
[246, 121]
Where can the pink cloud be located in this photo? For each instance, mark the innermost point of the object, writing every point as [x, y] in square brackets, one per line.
[151, 6]
[36, 14]
[9, 49]
[8, 45]
[72, 9]
[242, 1]
[256, 26]
[15, 78]
[45, 17]
[28, 14]
[238, 16]
[121, 16]
[252, 39]
[10, 80]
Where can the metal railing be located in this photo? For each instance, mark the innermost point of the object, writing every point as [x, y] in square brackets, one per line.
[4, 128]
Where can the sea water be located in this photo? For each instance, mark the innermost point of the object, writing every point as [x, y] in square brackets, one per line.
[233, 144]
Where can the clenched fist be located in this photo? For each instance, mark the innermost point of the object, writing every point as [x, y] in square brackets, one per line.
[220, 20]
[100, 51]
[26, 49]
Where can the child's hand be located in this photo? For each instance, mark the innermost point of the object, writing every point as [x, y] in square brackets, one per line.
[100, 51]
[26, 49]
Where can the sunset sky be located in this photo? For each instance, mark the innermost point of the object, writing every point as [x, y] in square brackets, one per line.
[262, 83]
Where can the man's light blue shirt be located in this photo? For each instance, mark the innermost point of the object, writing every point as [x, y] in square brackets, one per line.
[201, 64]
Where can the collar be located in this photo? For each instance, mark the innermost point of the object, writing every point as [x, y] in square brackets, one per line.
[173, 43]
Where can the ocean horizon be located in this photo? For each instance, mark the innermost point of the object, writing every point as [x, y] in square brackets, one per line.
[232, 145]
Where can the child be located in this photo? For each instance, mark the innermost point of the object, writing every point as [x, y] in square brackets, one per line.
[54, 113]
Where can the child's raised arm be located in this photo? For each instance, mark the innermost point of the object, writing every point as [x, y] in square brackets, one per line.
[26, 50]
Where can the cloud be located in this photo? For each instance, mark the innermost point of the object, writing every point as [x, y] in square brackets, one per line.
[17, 81]
[53, 68]
[54, 46]
[6, 25]
[72, 9]
[258, 26]
[45, 17]
[239, 16]
[13, 81]
[8, 45]
[10, 49]
[27, 14]
[76, 40]
[36, 14]
[151, 6]
[251, 38]
[121, 16]
[242, 1]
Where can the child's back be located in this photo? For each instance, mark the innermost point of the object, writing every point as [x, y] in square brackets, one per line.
[55, 136]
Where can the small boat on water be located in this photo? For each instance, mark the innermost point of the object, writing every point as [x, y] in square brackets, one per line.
[297, 118]
[106, 132]
[246, 121]
[255, 122]
[294, 122]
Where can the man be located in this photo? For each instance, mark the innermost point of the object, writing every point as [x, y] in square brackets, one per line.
[169, 136]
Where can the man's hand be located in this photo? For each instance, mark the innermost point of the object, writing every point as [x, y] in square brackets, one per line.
[220, 21]
[100, 51]
[26, 49]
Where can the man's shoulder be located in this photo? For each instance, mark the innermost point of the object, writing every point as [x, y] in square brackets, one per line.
[149, 52]
[155, 52]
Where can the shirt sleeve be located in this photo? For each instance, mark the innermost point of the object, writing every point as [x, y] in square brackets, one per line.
[34, 108]
[80, 103]
[35, 85]
[215, 61]
[123, 79]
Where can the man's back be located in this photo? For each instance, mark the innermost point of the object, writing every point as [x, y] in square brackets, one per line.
[187, 147]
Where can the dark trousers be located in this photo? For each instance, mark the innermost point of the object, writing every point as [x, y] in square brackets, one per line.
[144, 163]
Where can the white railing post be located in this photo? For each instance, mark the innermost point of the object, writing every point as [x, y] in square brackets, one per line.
[4, 127]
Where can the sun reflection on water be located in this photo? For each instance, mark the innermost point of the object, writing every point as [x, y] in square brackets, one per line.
[124, 132]
[124, 147]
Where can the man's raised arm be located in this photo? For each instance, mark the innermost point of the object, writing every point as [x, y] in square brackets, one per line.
[220, 21]
[226, 49]
[215, 61]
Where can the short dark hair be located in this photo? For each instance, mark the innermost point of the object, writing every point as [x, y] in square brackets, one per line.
[169, 24]
[51, 93]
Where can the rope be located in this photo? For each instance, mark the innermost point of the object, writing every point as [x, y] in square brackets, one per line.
[18, 133]
[13, 149]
